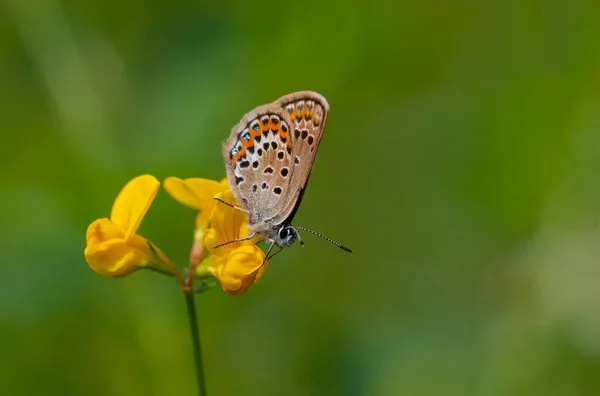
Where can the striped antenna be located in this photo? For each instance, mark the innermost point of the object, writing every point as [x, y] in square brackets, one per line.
[344, 248]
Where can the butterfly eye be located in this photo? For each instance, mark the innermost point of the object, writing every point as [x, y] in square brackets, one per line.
[283, 233]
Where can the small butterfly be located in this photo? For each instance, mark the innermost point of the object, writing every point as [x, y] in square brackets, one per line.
[269, 157]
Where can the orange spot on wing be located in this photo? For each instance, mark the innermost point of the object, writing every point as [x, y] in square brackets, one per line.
[239, 155]
[269, 126]
[264, 128]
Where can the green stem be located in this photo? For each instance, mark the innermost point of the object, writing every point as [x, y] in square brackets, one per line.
[191, 310]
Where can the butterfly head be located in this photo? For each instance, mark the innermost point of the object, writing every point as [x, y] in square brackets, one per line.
[284, 236]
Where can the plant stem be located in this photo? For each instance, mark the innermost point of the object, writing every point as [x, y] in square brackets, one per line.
[191, 310]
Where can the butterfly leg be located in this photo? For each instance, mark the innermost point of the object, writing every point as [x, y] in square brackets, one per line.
[276, 253]
[232, 206]
[237, 240]
[268, 251]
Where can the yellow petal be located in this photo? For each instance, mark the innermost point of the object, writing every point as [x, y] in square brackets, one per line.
[194, 192]
[227, 224]
[224, 184]
[203, 217]
[240, 269]
[109, 254]
[133, 202]
[261, 271]
[102, 230]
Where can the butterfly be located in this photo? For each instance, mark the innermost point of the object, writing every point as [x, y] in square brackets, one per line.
[269, 157]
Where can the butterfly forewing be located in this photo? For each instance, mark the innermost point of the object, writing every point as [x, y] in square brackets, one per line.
[269, 156]
[308, 112]
[258, 161]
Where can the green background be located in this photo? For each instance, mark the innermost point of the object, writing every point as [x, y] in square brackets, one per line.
[459, 162]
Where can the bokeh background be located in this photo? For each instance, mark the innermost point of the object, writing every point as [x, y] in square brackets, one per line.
[460, 162]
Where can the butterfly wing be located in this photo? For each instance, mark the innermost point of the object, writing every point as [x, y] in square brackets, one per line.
[258, 162]
[308, 113]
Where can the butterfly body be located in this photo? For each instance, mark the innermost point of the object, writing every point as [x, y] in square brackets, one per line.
[269, 157]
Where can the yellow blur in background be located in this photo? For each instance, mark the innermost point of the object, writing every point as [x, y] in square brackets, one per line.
[459, 162]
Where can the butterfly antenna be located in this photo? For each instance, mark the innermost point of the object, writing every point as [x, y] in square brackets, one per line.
[344, 248]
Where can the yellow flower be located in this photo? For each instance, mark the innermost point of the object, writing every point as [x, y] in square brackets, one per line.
[237, 265]
[113, 247]
[197, 194]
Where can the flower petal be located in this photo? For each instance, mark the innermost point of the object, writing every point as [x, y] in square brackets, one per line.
[261, 271]
[133, 202]
[194, 192]
[240, 269]
[227, 224]
[102, 230]
[109, 254]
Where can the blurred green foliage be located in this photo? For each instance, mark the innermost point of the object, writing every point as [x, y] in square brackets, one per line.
[459, 162]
